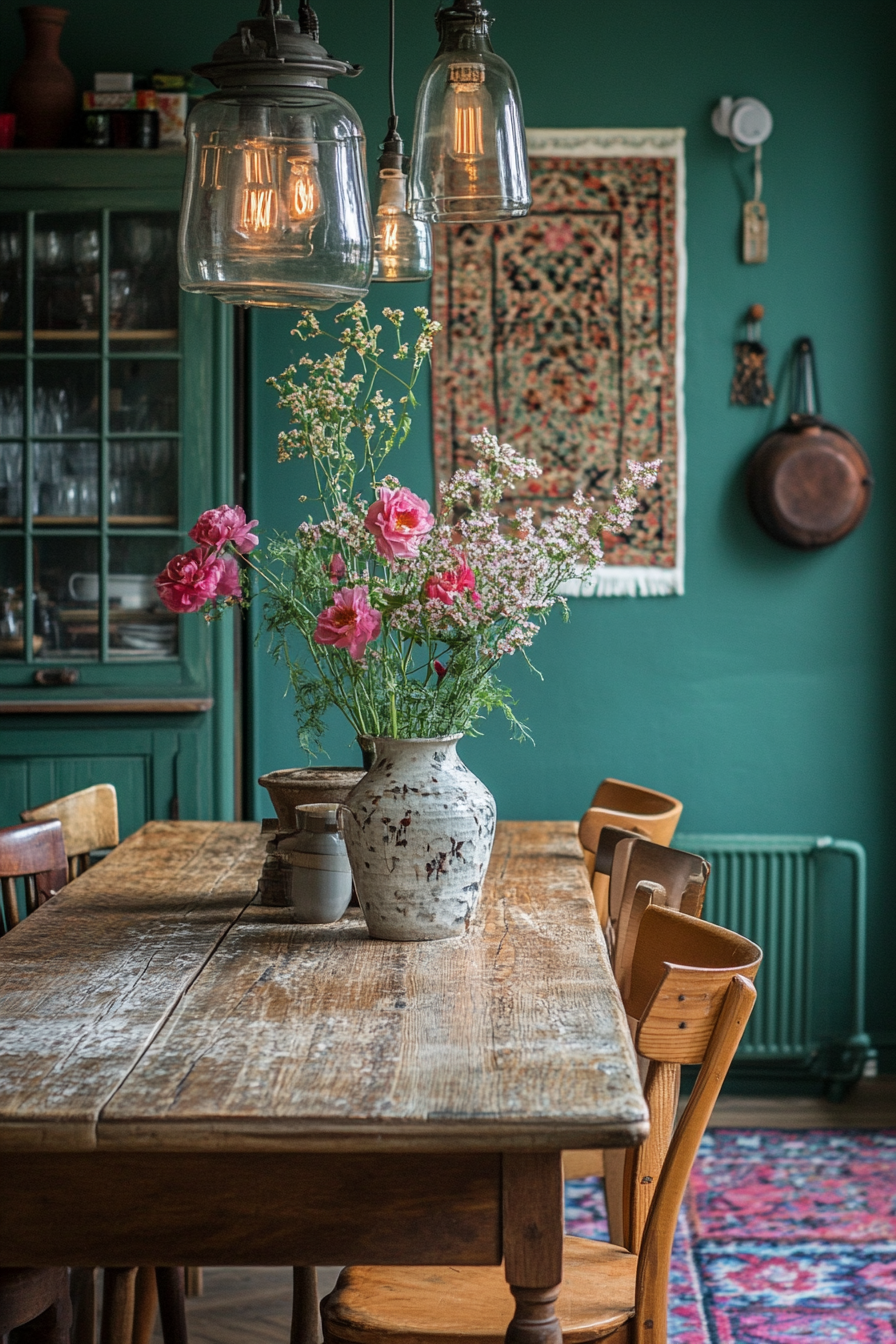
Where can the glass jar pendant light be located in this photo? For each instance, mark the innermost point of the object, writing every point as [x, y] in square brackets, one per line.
[402, 245]
[468, 160]
[275, 210]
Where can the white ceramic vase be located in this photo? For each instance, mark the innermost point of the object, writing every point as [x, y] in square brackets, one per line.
[419, 829]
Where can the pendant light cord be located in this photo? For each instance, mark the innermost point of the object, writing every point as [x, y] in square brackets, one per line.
[392, 114]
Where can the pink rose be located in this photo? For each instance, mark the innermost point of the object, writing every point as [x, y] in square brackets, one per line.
[229, 582]
[399, 520]
[446, 586]
[216, 527]
[189, 581]
[336, 569]
[351, 623]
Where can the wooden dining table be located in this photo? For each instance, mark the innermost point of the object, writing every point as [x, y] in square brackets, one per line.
[188, 1077]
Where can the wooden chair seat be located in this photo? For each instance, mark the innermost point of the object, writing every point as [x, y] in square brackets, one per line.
[473, 1303]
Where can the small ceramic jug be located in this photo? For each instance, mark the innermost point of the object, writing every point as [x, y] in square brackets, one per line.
[320, 879]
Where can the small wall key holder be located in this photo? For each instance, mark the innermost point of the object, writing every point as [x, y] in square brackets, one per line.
[809, 483]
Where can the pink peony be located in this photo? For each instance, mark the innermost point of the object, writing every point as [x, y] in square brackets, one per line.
[336, 569]
[189, 581]
[229, 582]
[216, 527]
[399, 520]
[351, 623]
[446, 586]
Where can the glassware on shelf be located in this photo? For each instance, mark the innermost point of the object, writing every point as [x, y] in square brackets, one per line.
[143, 481]
[66, 281]
[11, 455]
[12, 276]
[143, 301]
[66, 397]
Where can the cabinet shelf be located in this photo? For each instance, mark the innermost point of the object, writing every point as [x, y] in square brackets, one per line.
[91, 520]
[119, 334]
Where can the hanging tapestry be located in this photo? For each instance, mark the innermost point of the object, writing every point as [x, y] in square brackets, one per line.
[564, 333]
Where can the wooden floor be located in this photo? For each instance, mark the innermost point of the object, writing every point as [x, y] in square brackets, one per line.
[870, 1105]
[244, 1306]
[252, 1306]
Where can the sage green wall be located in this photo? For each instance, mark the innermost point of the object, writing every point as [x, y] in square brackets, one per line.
[762, 697]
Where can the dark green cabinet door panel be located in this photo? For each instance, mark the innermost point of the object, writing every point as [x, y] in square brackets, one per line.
[157, 771]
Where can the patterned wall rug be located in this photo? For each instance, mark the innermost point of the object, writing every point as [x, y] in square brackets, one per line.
[564, 334]
[785, 1237]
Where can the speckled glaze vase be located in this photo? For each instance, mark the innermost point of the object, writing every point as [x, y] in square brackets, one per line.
[419, 829]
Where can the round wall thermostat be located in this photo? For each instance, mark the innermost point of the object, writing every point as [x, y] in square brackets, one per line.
[746, 122]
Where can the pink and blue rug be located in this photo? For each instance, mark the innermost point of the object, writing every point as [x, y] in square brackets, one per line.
[784, 1237]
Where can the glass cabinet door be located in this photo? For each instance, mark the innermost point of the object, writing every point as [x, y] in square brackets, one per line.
[90, 434]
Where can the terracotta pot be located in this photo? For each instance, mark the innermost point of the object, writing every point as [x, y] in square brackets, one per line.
[419, 830]
[312, 784]
[42, 93]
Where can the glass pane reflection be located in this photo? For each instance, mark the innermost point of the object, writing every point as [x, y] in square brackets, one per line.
[143, 481]
[12, 619]
[66, 397]
[66, 594]
[66, 480]
[66, 281]
[140, 628]
[12, 282]
[143, 285]
[142, 395]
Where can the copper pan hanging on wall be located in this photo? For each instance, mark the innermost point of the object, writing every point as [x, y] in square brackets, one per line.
[809, 483]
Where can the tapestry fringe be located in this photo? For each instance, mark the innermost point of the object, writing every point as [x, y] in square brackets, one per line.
[627, 581]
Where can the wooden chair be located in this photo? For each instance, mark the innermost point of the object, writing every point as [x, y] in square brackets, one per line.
[38, 1299]
[35, 853]
[89, 821]
[644, 811]
[641, 873]
[691, 993]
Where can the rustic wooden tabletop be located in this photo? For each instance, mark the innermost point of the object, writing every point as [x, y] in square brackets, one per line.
[151, 1004]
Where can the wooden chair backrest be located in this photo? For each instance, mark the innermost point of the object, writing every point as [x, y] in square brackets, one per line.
[682, 877]
[616, 803]
[691, 992]
[89, 821]
[35, 852]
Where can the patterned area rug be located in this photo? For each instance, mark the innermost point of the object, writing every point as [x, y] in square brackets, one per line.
[563, 333]
[784, 1237]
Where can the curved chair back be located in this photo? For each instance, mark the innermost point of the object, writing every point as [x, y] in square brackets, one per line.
[691, 991]
[89, 821]
[35, 852]
[644, 811]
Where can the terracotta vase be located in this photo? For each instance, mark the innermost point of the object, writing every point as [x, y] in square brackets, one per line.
[42, 93]
[419, 829]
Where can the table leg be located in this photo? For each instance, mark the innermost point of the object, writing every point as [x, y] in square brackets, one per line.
[305, 1327]
[533, 1244]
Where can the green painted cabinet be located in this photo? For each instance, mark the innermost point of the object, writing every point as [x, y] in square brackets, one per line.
[115, 432]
